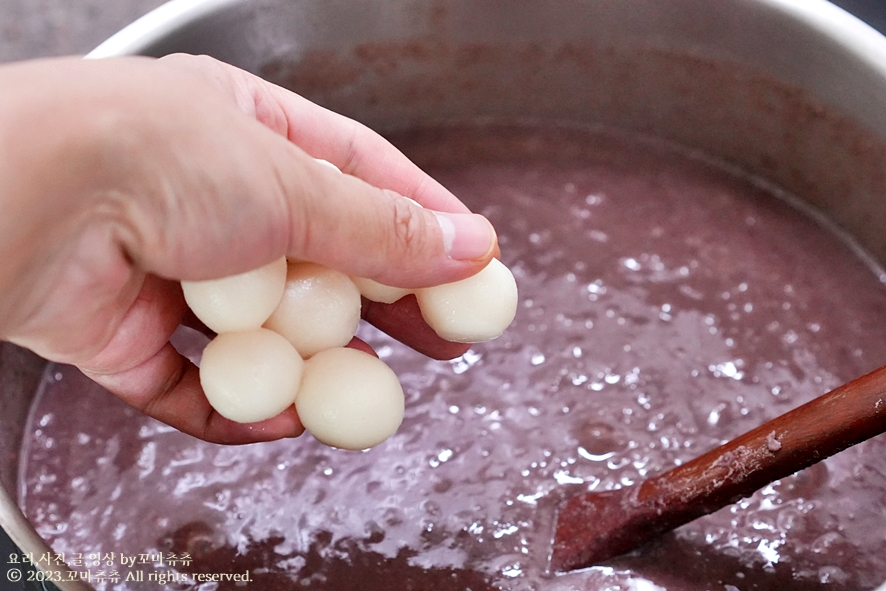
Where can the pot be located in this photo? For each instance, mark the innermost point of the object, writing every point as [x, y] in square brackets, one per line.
[788, 90]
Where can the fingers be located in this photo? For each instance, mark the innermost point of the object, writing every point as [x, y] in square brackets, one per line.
[344, 223]
[143, 330]
[358, 222]
[360, 152]
[218, 181]
[352, 147]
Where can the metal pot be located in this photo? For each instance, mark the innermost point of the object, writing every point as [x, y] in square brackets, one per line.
[790, 90]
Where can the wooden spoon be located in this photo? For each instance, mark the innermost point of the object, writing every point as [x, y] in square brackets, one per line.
[593, 527]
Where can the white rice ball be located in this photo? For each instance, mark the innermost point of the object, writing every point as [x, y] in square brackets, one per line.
[320, 309]
[250, 376]
[237, 302]
[472, 310]
[349, 399]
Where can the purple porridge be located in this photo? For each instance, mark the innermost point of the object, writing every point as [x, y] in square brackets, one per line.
[668, 304]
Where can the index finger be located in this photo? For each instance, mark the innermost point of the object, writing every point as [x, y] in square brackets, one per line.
[357, 150]
[351, 146]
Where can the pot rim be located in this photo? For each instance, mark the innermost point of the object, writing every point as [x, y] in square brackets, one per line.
[845, 28]
[157, 25]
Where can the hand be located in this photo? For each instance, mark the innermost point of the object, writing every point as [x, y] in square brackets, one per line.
[124, 176]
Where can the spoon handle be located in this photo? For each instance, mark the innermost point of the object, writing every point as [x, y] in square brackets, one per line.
[593, 527]
[845, 416]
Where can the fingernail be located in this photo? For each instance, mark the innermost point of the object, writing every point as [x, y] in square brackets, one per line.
[466, 236]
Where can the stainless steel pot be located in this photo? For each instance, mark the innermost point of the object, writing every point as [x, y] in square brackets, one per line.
[791, 90]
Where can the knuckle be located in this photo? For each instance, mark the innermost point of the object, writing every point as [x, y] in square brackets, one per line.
[408, 223]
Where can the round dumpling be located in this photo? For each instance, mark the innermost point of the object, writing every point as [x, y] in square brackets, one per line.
[250, 376]
[237, 302]
[349, 399]
[320, 308]
[472, 310]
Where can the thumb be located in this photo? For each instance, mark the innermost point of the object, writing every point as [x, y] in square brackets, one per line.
[343, 222]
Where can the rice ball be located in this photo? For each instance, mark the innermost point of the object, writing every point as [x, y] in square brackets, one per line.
[320, 308]
[349, 399]
[237, 302]
[250, 376]
[472, 310]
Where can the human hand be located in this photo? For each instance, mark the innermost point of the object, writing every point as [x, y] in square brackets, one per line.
[124, 176]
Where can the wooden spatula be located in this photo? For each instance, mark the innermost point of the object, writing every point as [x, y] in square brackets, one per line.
[593, 527]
